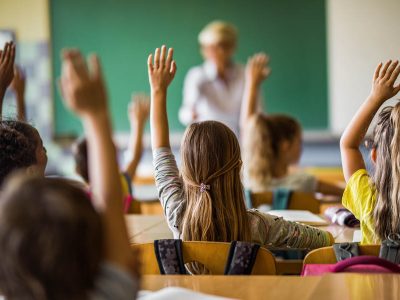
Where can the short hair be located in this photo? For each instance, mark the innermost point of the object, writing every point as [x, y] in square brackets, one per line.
[51, 239]
[17, 147]
[218, 32]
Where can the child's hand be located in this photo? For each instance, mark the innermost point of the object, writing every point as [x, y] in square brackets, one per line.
[383, 87]
[162, 72]
[139, 109]
[257, 69]
[18, 83]
[7, 57]
[83, 90]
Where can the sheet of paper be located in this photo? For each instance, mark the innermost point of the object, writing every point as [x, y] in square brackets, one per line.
[301, 216]
[176, 293]
[357, 236]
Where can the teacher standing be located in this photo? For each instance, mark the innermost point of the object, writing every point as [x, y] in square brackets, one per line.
[214, 90]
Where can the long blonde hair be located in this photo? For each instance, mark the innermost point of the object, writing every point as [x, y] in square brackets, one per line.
[262, 139]
[387, 172]
[215, 206]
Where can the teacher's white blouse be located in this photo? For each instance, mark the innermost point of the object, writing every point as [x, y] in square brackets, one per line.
[212, 98]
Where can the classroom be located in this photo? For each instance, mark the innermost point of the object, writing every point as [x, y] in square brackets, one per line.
[199, 149]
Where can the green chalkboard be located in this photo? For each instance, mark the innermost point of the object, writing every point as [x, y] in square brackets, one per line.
[124, 32]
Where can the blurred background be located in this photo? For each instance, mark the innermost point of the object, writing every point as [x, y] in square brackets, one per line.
[323, 54]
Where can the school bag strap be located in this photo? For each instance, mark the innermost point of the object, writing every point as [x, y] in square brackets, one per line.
[241, 258]
[344, 265]
[345, 250]
[281, 198]
[390, 248]
[169, 256]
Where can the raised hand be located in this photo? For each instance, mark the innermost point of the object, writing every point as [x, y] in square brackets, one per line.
[162, 70]
[18, 86]
[7, 58]
[82, 88]
[257, 69]
[383, 87]
[18, 83]
[139, 109]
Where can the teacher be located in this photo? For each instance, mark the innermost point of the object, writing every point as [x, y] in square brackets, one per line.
[214, 90]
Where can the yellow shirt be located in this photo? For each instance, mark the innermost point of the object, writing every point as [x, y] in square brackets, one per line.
[360, 198]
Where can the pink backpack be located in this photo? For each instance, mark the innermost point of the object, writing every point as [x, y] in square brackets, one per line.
[358, 264]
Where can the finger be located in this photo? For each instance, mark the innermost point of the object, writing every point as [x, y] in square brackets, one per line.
[163, 54]
[385, 67]
[11, 60]
[95, 66]
[150, 63]
[394, 75]
[169, 58]
[396, 89]
[79, 63]
[266, 72]
[173, 69]
[5, 52]
[157, 58]
[377, 70]
[391, 69]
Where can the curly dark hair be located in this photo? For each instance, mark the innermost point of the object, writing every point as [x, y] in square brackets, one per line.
[51, 239]
[17, 147]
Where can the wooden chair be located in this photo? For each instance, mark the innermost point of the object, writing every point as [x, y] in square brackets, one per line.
[326, 255]
[213, 255]
[298, 200]
[151, 207]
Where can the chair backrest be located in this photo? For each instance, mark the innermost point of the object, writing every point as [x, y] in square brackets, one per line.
[298, 200]
[326, 255]
[213, 255]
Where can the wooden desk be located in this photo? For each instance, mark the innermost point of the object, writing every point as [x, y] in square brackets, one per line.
[331, 286]
[144, 229]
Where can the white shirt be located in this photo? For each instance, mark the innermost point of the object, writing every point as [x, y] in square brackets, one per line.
[211, 97]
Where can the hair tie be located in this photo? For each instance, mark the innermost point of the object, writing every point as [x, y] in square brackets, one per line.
[204, 187]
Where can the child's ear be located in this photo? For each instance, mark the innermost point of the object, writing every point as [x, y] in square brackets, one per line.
[373, 155]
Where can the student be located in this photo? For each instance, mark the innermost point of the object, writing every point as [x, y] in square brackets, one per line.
[55, 242]
[207, 203]
[214, 90]
[21, 146]
[375, 200]
[272, 143]
[138, 112]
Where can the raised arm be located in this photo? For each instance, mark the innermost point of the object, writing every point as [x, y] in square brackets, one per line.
[257, 70]
[85, 94]
[18, 86]
[139, 109]
[161, 73]
[383, 88]
[7, 57]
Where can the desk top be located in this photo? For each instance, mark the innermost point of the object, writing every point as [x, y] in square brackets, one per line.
[147, 228]
[330, 286]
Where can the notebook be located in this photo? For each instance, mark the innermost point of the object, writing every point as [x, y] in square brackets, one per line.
[300, 216]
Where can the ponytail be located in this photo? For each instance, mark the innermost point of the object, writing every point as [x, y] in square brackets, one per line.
[258, 154]
[387, 173]
[395, 178]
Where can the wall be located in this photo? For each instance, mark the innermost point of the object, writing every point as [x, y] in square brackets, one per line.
[361, 33]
